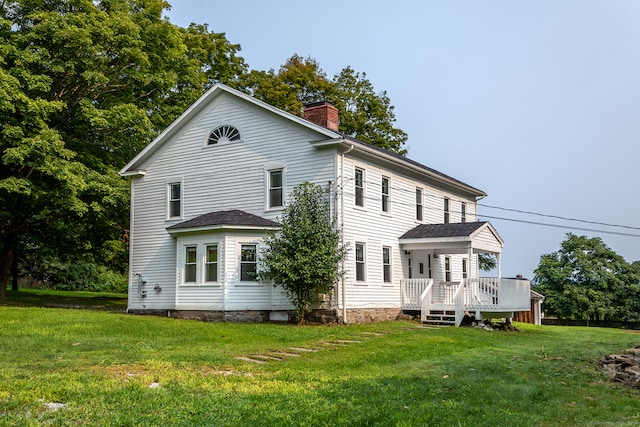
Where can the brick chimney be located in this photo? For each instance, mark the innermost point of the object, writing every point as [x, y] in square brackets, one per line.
[322, 113]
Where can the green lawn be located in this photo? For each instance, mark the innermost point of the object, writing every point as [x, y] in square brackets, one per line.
[116, 369]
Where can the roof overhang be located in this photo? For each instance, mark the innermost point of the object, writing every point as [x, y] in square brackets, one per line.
[220, 227]
[484, 239]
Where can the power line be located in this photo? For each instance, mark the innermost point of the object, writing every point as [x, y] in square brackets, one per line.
[561, 226]
[560, 217]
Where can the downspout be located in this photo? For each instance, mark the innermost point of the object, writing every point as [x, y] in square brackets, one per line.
[344, 297]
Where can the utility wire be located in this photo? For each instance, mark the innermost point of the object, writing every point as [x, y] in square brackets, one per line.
[559, 217]
[561, 226]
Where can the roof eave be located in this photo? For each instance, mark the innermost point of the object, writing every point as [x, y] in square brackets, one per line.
[218, 227]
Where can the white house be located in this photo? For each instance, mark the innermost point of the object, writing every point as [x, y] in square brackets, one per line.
[205, 191]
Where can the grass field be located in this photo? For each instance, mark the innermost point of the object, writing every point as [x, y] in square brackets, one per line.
[107, 368]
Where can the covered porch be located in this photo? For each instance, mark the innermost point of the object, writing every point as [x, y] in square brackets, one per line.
[442, 277]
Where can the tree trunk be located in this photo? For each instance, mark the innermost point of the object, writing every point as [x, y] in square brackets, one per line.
[6, 258]
[14, 273]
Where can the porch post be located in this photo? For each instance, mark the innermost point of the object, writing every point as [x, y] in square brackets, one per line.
[499, 267]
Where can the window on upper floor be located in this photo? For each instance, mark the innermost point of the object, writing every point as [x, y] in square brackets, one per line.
[175, 200]
[463, 212]
[248, 263]
[446, 211]
[360, 262]
[418, 204]
[275, 178]
[359, 187]
[385, 194]
[223, 134]
[386, 264]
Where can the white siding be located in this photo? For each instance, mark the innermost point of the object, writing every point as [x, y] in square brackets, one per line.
[375, 228]
[215, 178]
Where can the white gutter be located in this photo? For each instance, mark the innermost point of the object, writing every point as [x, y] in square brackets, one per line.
[344, 297]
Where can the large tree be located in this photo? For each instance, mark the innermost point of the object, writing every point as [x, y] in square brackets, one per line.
[84, 86]
[304, 256]
[364, 114]
[585, 279]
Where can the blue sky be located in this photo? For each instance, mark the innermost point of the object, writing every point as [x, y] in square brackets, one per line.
[535, 102]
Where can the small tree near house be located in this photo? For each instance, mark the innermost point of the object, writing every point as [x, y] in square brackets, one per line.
[304, 255]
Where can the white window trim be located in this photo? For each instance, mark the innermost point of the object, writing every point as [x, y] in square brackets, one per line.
[390, 282]
[240, 282]
[446, 208]
[421, 204]
[364, 188]
[382, 195]
[168, 184]
[364, 262]
[268, 168]
[204, 264]
[201, 257]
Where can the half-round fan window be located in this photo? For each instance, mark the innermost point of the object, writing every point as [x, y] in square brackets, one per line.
[223, 134]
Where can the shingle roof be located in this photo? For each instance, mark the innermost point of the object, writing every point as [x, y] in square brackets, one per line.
[233, 217]
[427, 231]
[412, 162]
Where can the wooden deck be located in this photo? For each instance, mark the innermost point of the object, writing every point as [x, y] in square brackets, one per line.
[485, 296]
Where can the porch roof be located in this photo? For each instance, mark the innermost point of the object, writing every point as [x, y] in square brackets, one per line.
[453, 238]
[234, 219]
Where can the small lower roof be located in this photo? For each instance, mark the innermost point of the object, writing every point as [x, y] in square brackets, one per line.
[430, 231]
[220, 219]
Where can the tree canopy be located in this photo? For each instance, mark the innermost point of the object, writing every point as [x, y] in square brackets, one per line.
[304, 256]
[585, 279]
[86, 85]
[364, 114]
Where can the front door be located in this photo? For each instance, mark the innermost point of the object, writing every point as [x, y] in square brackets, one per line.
[421, 264]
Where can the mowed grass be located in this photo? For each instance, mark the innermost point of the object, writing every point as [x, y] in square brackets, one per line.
[115, 369]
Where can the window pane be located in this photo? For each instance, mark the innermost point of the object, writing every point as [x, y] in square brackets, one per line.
[359, 186]
[275, 188]
[248, 272]
[211, 270]
[463, 212]
[190, 264]
[446, 211]
[275, 197]
[385, 194]
[248, 264]
[360, 262]
[174, 200]
[418, 204]
[386, 264]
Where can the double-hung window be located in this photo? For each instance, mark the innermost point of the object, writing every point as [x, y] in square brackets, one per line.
[360, 262]
[418, 204]
[463, 212]
[190, 264]
[385, 194]
[275, 189]
[386, 264]
[446, 211]
[248, 263]
[464, 268]
[211, 264]
[175, 197]
[359, 187]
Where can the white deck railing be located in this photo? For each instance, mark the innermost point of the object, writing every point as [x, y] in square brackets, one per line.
[486, 294]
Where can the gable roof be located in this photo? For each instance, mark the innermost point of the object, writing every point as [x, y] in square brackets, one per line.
[325, 137]
[235, 219]
[453, 238]
[133, 167]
